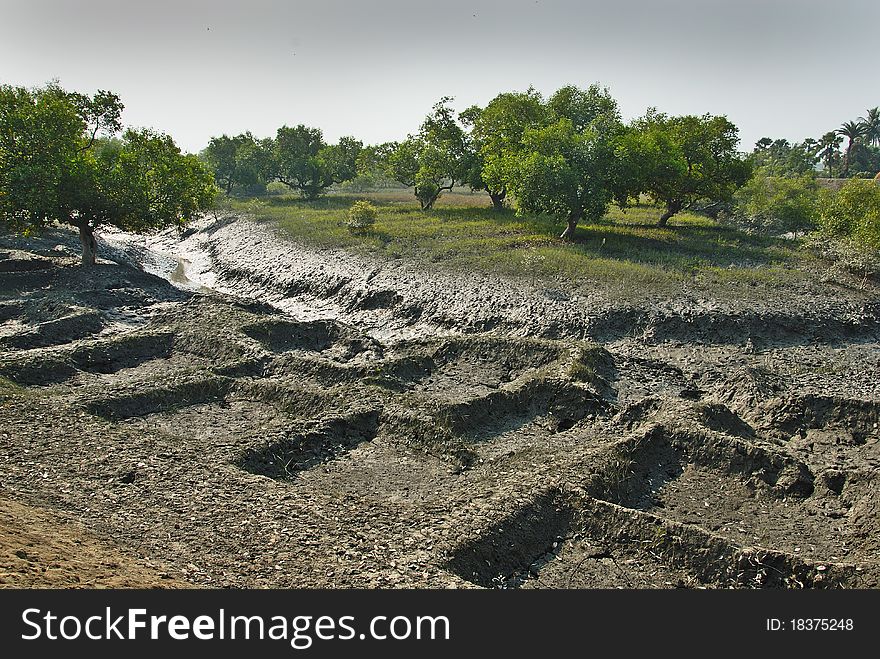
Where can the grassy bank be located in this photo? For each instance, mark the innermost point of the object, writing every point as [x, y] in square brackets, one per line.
[462, 232]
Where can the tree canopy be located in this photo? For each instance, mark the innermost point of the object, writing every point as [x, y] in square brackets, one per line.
[304, 162]
[56, 167]
[242, 162]
[436, 159]
[497, 132]
[688, 159]
[569, 167]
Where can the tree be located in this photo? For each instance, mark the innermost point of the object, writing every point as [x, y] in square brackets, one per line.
[853, 131]
[864, 161]
[829, 151]
[240, 161]
[689, 159]
[871, 127]
[54, 167]
[496, 132]
[371, 166]
[570, 167]
[304, 162]
[781, 158]
[434, 160]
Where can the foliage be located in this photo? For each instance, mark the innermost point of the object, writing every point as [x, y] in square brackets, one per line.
[780, 158]
[829, 151]
[864, 160]
[775, 205]
[871, 126]
[362, 215]
[686, 160]
[150, 184]
[434, 160]
[55, 168]
[496, 132]
[241, 161]
[852, 214]
[569, 168]
[304, 162]
[853, 131]
[372, 170]
[44, 144]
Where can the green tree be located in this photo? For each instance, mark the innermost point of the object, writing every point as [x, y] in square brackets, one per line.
[496, 132]
[54, 167]
[242, 161]
[220, 155]
[853, 131]
[371, 167]
[304, 162]
[864, 161]
[781, 158]
[829, 151]
[570, 167]
[434, 160]
[871, 127]
[689, 159]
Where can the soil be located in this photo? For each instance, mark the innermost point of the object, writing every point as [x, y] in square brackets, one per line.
[229, 409]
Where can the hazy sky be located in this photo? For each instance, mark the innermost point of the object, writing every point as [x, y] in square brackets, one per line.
[194, 68]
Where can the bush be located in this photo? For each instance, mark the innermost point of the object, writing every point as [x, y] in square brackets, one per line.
[361, 216]
[852, 214]
[775, 205]
[849, 227]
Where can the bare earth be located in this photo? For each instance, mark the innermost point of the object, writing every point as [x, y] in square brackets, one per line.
[281, 417]
[48, 549]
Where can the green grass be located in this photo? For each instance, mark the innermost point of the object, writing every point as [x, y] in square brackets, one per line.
[9, 388]
[463, 232]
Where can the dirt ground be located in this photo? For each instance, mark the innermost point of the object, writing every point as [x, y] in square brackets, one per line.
[42, 548]
[232, 410]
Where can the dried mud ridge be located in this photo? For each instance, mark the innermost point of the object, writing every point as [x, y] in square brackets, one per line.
[236, 445]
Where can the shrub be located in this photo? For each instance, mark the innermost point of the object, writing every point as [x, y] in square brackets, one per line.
[361, 216]
[852, 213]
[775, 205]
[849, 227]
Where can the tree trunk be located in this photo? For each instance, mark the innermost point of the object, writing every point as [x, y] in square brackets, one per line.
[671, 209]
[498, 199]
[427, 203]
[573, 219]
[89, 245]
[846, 155]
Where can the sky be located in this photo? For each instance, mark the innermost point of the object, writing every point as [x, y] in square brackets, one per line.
[197, 68]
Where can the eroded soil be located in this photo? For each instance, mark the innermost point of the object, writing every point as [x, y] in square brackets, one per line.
[340, 423]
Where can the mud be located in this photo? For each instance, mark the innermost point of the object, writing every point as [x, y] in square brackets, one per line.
[244, 412]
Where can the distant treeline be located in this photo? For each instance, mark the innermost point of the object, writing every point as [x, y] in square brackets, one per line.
[569, 155]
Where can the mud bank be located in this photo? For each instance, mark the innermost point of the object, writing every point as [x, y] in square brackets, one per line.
[392, 298]
[341, 422]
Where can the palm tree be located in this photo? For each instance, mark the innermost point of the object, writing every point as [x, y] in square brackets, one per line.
[829, 145]
[871, 125]
[854, 132]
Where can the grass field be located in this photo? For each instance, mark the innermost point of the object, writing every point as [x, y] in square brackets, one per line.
[463, 232]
